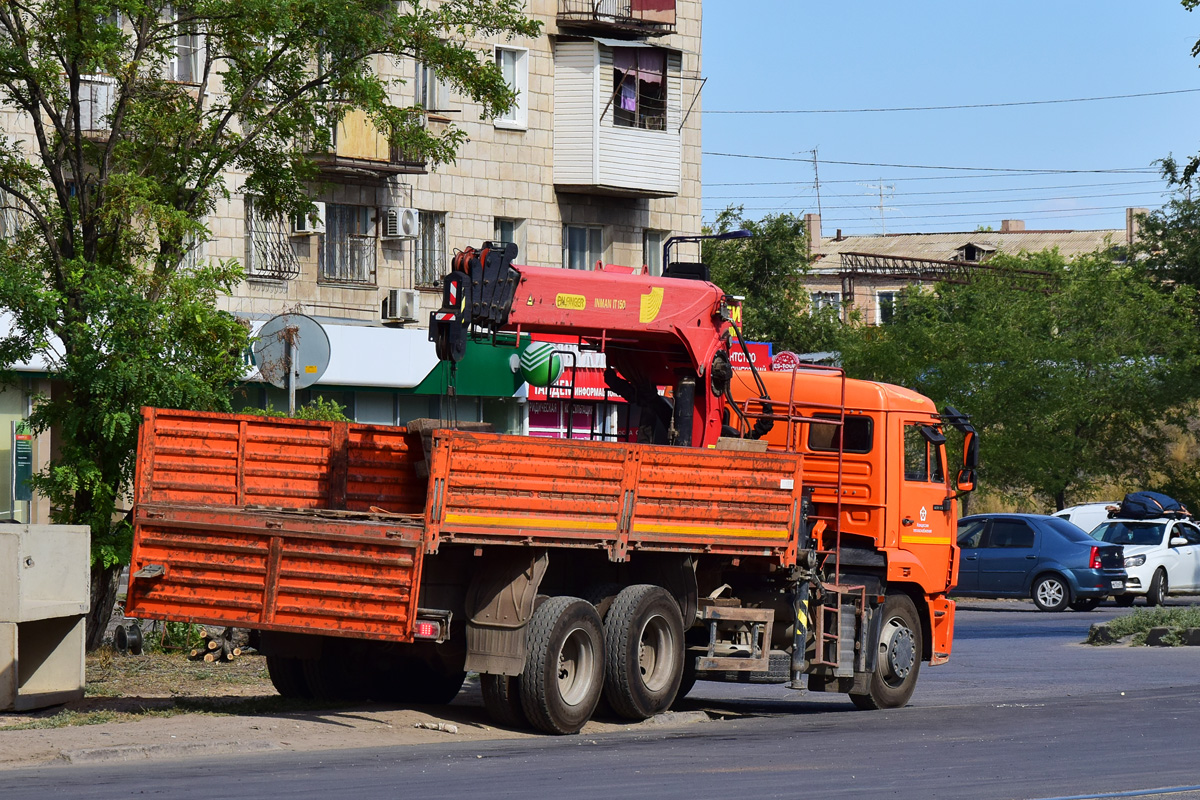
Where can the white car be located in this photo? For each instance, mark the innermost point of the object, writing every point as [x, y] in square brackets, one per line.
[1162, 556]
[1086, 516]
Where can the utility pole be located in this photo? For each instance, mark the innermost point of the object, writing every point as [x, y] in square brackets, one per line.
[816, 179]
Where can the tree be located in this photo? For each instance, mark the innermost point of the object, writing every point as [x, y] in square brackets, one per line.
[768, 271]
[131, 114]
[1073, 373]
[1168, 243]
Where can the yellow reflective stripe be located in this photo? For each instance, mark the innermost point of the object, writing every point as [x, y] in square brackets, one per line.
[925, 540]
[532, 522]
[708, 530]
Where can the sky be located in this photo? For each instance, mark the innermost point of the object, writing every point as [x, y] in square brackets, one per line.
[1096, 157]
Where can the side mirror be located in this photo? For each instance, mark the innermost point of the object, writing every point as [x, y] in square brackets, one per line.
[1178, 541]
[965, 480]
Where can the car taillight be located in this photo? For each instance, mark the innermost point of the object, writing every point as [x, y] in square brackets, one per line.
[1095, 562]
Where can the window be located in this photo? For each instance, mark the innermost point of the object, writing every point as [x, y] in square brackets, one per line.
[348, 246]
[640, 88]
[652, 248]
[822, 300]
[184, 65]
[970, 533]
[583, 246]
[432, 92]
[514, 66]
[885, 306]
[1189, 532]
[825, 438]
[1010, 533]
[194, 253]
[510, 230]
[10, 222]
[922, 457]
[269, 251]
[431, 249]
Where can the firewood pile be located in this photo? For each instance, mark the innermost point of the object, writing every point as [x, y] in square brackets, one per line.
[221, 646]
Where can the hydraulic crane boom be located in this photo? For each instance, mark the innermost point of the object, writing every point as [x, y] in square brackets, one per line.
[654, 331]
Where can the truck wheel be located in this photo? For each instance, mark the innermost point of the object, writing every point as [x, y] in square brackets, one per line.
[899, 658]
[287, 675]
[564, 665]
[415, 678]
[1051, 593]
[330, 678]
[643, 645]
[502, 700]
[1157, 595]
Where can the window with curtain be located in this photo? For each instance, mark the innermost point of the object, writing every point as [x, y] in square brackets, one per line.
[640, 88]
[348, 255]
[583, 246]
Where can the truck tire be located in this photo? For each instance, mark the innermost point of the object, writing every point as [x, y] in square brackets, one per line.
[287, 675]
[1051, 593]
[331, 679]
[502, 700]
[643, 645]
[416, 681]
[899, 658]
[564, 665]
[1157, 595]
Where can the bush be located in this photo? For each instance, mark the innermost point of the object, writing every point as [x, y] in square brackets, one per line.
[1142, 620]
[319, 409]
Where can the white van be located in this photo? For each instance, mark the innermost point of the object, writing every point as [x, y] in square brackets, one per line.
[1086, 515]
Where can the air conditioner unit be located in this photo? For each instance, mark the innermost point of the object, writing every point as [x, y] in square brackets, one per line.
[401, 223]
[308, 224]
[402, 305]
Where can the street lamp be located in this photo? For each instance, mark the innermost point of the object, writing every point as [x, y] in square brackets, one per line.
[738, 234]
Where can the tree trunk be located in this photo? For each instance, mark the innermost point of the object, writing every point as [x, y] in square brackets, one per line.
[1060, 500]
[105, 583]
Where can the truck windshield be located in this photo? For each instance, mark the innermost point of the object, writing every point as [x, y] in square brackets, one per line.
[1118, 532]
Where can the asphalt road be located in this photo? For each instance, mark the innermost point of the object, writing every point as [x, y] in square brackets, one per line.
[1023, 710]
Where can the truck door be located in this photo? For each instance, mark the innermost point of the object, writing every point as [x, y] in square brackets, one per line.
[924, 509]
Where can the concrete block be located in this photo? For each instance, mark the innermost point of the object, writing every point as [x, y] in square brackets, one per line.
[44, 585]
[1191, 637]
[1155, 636]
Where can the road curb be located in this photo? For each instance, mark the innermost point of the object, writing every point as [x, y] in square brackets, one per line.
[139, 752]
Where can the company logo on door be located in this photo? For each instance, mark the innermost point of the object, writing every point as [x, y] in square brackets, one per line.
[924, 513]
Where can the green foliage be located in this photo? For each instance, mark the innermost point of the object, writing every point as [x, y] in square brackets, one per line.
[1142, 620]
[95, 275]
[173, 636]
[1073, 373]
[317, 409]
[768, 271]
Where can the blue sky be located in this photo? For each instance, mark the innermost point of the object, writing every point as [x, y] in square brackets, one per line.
[772, 55]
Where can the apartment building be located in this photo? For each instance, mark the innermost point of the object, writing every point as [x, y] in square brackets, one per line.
[598, 162]
[864, 274]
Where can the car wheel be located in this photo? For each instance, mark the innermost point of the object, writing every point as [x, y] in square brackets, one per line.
[1157, 595]
[1051, 593]
[1085, 605]
[1124, 600]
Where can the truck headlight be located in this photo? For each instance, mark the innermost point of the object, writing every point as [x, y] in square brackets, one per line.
[1135, 561]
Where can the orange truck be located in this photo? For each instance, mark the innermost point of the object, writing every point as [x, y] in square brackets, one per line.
[808, 540]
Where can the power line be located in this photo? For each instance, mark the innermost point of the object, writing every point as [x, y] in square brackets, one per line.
[949, 108]
[1030, 174]
[1071, 212]
[948, 203]
[1121, 170]
[943, 191]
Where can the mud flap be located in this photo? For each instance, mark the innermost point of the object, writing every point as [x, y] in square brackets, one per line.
[500, 601]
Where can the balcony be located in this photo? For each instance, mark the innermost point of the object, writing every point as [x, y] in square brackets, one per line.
[360, 150]
[643, 17]
[97, 94]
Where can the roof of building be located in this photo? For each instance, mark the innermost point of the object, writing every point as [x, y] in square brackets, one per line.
[949, 246]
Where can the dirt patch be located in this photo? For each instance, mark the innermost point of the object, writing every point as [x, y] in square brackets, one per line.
[163, 706]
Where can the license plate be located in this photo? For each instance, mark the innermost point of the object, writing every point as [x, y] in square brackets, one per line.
[1118, 584]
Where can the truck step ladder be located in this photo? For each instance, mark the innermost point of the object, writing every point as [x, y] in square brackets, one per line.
[835, 627]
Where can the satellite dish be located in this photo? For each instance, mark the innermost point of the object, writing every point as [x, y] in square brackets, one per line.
[310, 346]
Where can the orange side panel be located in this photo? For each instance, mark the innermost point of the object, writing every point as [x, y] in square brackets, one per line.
[614, 496]
[276, 571]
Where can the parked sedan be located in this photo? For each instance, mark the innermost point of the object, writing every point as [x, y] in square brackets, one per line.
[1031, 555]
[1161, 556]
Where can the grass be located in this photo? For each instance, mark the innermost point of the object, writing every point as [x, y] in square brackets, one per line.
[1139, 623]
